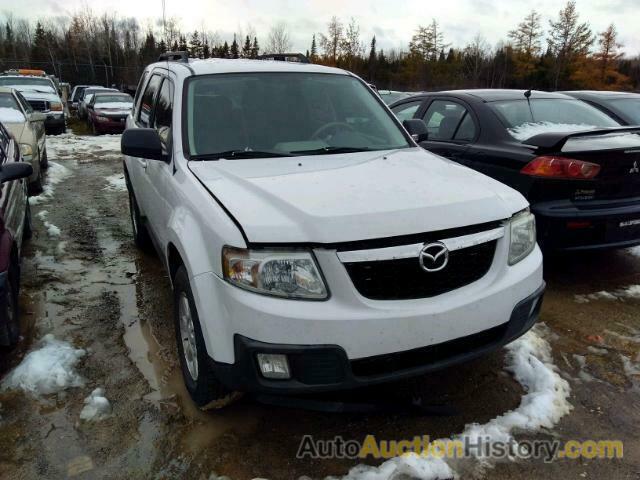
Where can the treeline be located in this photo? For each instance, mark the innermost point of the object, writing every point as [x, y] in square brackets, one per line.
[107, 49]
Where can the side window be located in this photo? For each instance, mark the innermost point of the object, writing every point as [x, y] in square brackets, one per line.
[4, 140]
[136, 97]
[163, 113]
[442, 119]
[467, 129]
[146, 106]
[406, 110]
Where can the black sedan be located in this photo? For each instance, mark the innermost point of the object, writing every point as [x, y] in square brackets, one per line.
[578, 167]
[624, 107]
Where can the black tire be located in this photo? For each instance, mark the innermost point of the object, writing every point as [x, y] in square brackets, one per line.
[205, 390]
[140, 233]
[9, 313]
[35, 187]
[27, 231]
[44, 160]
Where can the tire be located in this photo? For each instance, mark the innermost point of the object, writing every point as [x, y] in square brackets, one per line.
[35, 187]
[205, 389]
[140, 233]
[27, 231]
[9, 313]
[44, 160]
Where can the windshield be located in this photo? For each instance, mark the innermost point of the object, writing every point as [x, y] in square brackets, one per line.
[113, 99]
[549, 115]
[9, 110]
[28, 83]
[629, 107]
[262, 114]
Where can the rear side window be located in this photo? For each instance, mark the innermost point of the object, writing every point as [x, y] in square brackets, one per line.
[4, 141]
[406, 110]
[442, 119]
[146, 105]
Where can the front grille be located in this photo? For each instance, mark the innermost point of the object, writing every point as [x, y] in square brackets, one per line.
[39, 105]
[404, 279]
[396, 362]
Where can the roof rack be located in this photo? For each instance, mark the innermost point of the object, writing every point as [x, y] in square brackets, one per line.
[180, 56]
[284, 57]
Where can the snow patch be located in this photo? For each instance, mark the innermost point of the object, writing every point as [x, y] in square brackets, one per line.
[69, 146]
[52, 230]
[116, 183]
[10, 115]
[48, 370]
[545, 403]
[96, 407]
[527, 130]
[56, 174]
[628, 292]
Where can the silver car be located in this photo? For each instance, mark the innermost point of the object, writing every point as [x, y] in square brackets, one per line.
[27, 127]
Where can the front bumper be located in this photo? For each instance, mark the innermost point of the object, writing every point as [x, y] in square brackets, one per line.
[321, 368]
[109, 125]
[592, 225]
[54, 121]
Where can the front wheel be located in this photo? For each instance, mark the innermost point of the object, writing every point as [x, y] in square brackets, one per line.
[9, 315]
[140, 233]
[44, 160]
[204, 388]
[35, 187]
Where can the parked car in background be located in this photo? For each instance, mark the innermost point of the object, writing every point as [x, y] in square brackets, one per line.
[27, 127]
[391, 96]
[15, 226]
[624, 107]
[575, 165]
[311, 245]
[42, 95]
[85, 98]
[76, 96]
[107, 112]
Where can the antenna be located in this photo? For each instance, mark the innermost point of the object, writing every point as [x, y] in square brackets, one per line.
[527, 95]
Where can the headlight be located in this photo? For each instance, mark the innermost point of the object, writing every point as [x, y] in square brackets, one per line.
[523, 236]
[26, 150]
[101, 118]
[289, 274]
[55, 106]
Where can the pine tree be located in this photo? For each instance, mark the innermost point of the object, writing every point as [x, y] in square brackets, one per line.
[224, 50]
[246, 48]
[373, 57]
[195, 45]
[569, 42]
[206, 51]
[182, 46]
[526, 43]
[608, 55]
[255, 48]
[234, 52]
[314, 49]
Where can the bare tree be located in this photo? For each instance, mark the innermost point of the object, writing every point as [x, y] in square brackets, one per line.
[331, 42]
[278, 40]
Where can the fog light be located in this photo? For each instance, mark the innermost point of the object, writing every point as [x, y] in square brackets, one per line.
[273, 365]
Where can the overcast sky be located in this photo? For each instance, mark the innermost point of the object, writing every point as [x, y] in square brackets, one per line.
[392, 21]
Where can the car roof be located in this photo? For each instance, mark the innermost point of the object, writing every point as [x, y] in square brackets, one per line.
[6, 90]
[223, 65]
[602, 94]
[492, 95]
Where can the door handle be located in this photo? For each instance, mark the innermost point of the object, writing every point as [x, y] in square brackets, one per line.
[145, 164]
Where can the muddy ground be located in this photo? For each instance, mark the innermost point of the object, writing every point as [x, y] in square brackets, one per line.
[93, 288]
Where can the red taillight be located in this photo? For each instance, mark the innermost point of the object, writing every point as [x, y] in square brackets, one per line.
[561, 167]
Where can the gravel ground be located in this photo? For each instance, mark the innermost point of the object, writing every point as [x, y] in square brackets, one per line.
[89, 286]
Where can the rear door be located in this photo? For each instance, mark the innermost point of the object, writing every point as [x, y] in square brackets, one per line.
[452, 127]
[14, 195]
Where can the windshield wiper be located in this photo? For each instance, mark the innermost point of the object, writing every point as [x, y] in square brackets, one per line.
[328, 150]
[240, 153]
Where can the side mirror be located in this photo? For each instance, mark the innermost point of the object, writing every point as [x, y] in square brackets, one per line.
[142, 143]
[417, 129]
[15, 171]
[37, 117]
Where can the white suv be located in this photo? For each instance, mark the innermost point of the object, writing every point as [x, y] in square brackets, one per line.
[311, 244]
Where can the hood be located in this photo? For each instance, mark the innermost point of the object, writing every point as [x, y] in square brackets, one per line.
[358, 196]
[17, 130]
[33, 95]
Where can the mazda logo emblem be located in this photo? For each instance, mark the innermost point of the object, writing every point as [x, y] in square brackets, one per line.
[433, 257]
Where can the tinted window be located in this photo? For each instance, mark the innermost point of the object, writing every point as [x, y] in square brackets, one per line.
[148, 98]
[8, 101]
[442, 119]
[525, 119]
[289, 113]
[467, 129]
[629, 107]
[406, 110]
